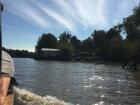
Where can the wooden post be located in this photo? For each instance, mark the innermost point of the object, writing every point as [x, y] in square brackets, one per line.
[1, 7]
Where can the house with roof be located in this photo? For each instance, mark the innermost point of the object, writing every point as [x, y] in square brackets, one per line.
[50, 53]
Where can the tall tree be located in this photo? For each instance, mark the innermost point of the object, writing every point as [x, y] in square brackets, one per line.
[132, 27]
[76, 44]
[98, 40]
[65, 46]
[47, 41]
[87, 45]
[65, 37]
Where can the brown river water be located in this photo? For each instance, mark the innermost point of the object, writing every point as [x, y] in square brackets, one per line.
[78, 83]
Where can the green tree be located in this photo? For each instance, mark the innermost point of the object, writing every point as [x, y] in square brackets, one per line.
[65, 51]
[116, 51]
[137, 15]
[87, 45]
[132, 27]
[45, 41]
[98, 40]
[65, 46]
[113, 32]
[114, 46]
[76, 44]
[65, 37]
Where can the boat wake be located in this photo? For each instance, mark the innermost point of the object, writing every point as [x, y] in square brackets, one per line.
[24, 97]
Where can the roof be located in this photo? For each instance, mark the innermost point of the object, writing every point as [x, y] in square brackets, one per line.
[49, 49]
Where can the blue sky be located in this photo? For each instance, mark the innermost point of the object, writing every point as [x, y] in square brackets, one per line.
[25, 20]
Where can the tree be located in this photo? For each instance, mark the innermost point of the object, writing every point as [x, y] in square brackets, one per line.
[65, 46]
[76, 44]
[19, 53]
[114, 46]
[113, 32]
[98, 40]
[65, 51]
[65, 37]
[116, 51]
[137, 15]
[132, 27]
[109, 45]
[87, 45]
[45, 41]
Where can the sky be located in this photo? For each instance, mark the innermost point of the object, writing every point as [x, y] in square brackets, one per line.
[23, 21]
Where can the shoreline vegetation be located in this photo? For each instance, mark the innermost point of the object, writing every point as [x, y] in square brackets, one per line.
[118, 44]
[15, 53]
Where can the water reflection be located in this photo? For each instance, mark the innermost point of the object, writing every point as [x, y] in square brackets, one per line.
[99, 103]
[80, 83]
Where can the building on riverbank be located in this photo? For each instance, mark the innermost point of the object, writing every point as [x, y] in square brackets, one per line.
[50, 53]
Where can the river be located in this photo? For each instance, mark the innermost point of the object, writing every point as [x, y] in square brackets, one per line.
[79, 82]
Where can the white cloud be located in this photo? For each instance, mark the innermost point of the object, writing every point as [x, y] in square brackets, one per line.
[69, 11]
[73, 15]
[60, 19]
[137, 1]
[27, 13]
[76, 14]
[88, 13]
[81, 17]
[56, 16]
[101, 11]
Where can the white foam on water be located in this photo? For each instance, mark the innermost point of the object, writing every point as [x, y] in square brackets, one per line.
[24, 97]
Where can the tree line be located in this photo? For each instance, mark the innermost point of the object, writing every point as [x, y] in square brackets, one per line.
[109, 45]
[19, 53]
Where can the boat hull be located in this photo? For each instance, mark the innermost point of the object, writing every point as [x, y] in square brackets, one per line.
[6, 80]
[9, 100]
[4, 87]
